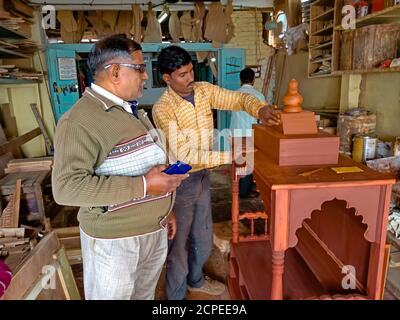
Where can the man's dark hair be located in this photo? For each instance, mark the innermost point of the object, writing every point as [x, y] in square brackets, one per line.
[109, 48]
[172, 58]
[247, 75]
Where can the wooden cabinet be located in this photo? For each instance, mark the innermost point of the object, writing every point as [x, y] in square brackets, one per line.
[334, 50]
[323, 228]
[374, 39]
[324, 16]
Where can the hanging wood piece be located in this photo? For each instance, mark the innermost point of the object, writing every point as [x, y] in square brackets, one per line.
[67, 20]
[216, 24]
[153, 29]
[110, 20]
[174, 26]
[230, 27]
[186, 25]
[197, 29]
[82, 25]
[137, 17]
[96, 20]
[124, 23]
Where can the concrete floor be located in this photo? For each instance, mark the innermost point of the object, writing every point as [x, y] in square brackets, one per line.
[217, 265]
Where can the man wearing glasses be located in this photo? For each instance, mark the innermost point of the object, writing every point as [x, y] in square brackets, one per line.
[109, 161]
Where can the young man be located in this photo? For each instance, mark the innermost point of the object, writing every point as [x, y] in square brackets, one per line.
[241, 125]
[184, 113]
[108, 161]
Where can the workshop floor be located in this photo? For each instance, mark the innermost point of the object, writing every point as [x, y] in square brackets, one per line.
[217, 265]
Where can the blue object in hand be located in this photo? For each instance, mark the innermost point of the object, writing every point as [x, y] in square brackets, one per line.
[178, 167]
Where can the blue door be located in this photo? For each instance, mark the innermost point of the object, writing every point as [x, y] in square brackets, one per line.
[63, 80]
[231, 61]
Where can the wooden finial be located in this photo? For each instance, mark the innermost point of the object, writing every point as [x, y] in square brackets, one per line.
[292, 100]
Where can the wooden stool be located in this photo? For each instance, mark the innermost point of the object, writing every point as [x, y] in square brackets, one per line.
[32, 187]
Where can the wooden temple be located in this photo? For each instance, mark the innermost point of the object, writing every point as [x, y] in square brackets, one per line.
[324, 222]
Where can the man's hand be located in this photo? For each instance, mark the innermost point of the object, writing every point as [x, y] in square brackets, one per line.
[171, 225]
[269, 115]
[159, 183]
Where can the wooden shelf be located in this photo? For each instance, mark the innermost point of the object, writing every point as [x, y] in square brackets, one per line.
[10, 33]
[6, 53]
[321, 60]
[387, 15]
[321, 3]
[322, 46]
[298, 280]
[327, 15]
[17, 81]
[375, 70]
[325, 31]
[324, 75]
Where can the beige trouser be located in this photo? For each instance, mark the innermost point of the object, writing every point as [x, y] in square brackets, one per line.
[123, 269]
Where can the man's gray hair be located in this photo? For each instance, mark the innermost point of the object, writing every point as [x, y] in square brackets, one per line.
[109, 48]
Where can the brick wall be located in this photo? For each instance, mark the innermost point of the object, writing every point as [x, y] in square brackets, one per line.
[248, 35]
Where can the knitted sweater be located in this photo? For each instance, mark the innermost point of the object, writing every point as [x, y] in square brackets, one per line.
[101, 153]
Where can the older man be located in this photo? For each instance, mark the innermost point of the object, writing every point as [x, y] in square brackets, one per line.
[108, 161]
[184, 113]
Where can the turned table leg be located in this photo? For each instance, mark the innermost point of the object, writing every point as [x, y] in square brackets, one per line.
[278, 260]
[235, 206]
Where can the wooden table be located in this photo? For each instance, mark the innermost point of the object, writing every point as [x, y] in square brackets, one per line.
[319, 222]
[32, 186]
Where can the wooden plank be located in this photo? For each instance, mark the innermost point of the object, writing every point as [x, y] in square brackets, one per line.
[12, 232]
[67, 232]
[325, 265]
[9, 218]
[346, 50]
[15, 204]
[66, 276]
[16, 142]
[49, 144]
[385, 269]
[10, 126]
[32, 268]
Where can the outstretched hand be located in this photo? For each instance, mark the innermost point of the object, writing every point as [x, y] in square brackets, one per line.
[159, 183]
[269, 115]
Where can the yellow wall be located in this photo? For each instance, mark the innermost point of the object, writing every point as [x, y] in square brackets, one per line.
[20, 96]
[248, 35]
[382, 96]
[320, 93]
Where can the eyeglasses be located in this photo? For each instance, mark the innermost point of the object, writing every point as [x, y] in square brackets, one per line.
[136, 66]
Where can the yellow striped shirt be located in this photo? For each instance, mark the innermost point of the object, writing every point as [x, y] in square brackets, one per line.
[189, 130]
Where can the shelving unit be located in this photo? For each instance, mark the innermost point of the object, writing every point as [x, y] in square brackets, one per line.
[8, 33]
[387, 15]
[327, 37]
[8, 49]
[6, 53]
[374, 70]
[372, 50]
[323, 43]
